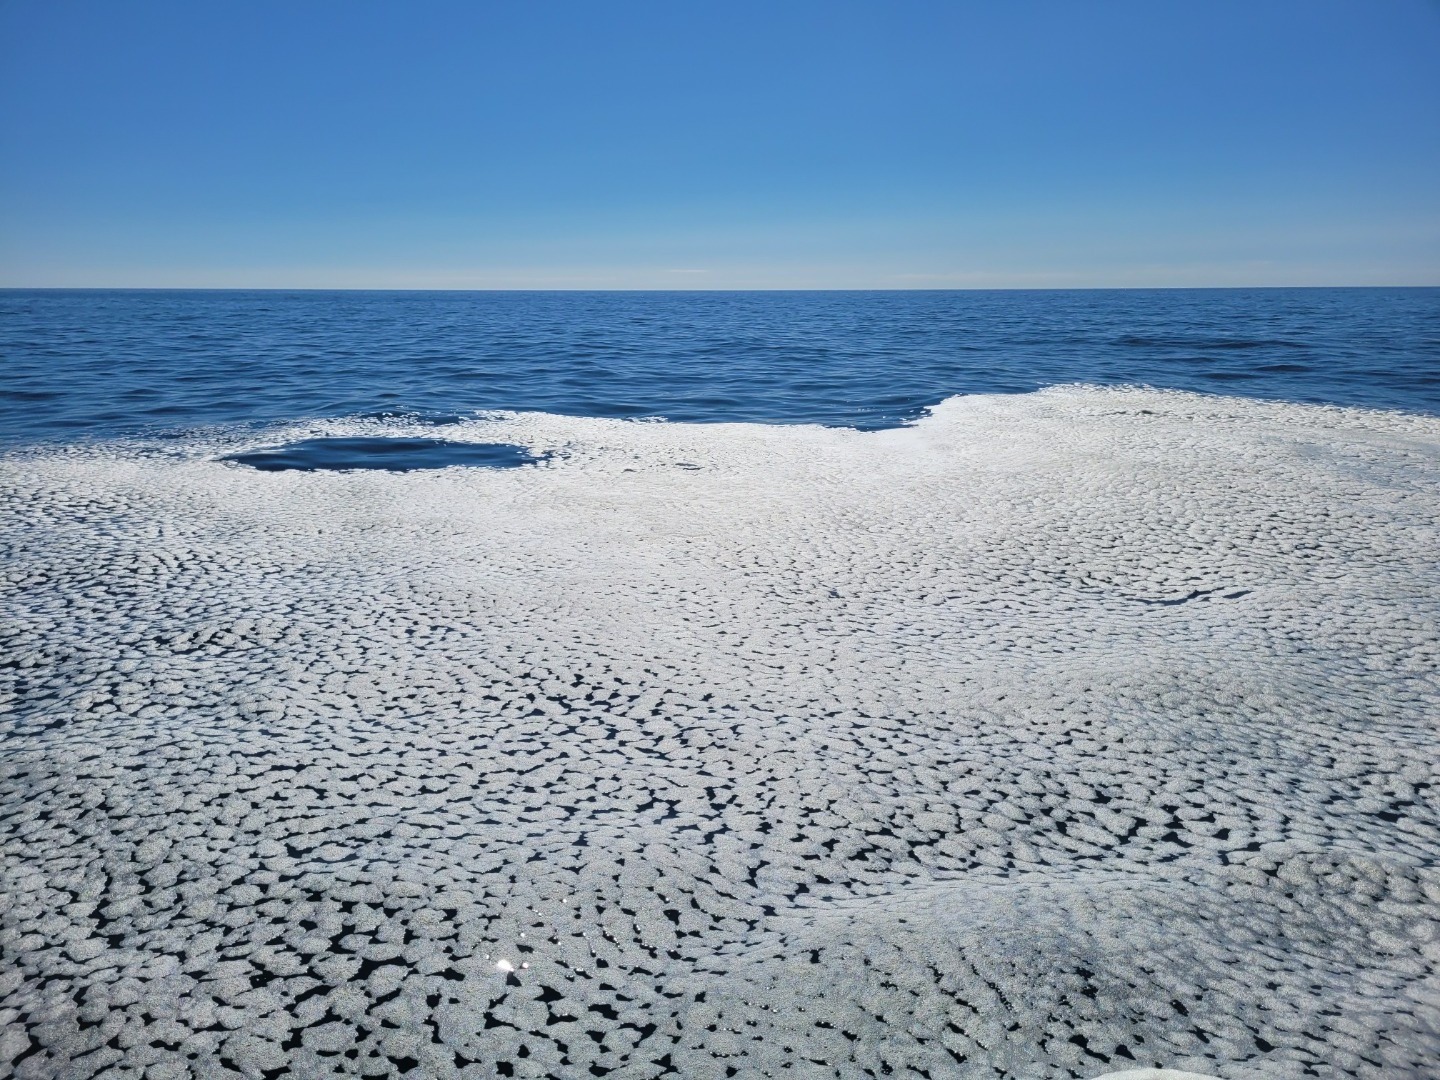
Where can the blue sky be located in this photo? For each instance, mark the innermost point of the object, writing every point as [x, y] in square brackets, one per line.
[690, 144]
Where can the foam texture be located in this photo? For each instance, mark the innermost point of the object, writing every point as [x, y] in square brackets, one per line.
[1056, 735]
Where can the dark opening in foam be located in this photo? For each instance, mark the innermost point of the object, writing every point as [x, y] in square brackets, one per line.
[393, 454]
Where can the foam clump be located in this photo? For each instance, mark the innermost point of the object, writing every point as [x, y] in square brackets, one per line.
[1057, 735]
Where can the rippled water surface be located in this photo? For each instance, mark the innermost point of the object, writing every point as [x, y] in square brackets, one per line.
[100, 363]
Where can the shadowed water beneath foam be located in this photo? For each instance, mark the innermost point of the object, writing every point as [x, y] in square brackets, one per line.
[393, 454]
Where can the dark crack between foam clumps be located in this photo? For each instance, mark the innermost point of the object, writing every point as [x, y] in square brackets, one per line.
[393, 454]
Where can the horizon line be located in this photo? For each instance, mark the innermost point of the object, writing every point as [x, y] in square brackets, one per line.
[621, 289]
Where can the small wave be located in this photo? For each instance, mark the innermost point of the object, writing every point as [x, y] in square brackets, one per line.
[1285, 369]
[416, 416]
[1187, 342]
[1228, 376]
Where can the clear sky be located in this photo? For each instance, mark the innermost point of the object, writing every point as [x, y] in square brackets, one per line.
[726, 144]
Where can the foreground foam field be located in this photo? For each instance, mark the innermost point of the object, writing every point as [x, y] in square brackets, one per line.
[1058, 734]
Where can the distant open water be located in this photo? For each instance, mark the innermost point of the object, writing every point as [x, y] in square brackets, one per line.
[87, 364]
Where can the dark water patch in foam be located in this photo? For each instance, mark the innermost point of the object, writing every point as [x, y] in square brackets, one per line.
[390, 454]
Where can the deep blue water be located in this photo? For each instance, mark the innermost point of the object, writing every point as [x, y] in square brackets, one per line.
[390, 453]
[83, 364]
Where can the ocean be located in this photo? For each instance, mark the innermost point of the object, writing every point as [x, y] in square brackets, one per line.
[104, 364]
[1019, 685]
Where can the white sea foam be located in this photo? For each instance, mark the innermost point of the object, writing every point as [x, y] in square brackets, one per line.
[1056, 734]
